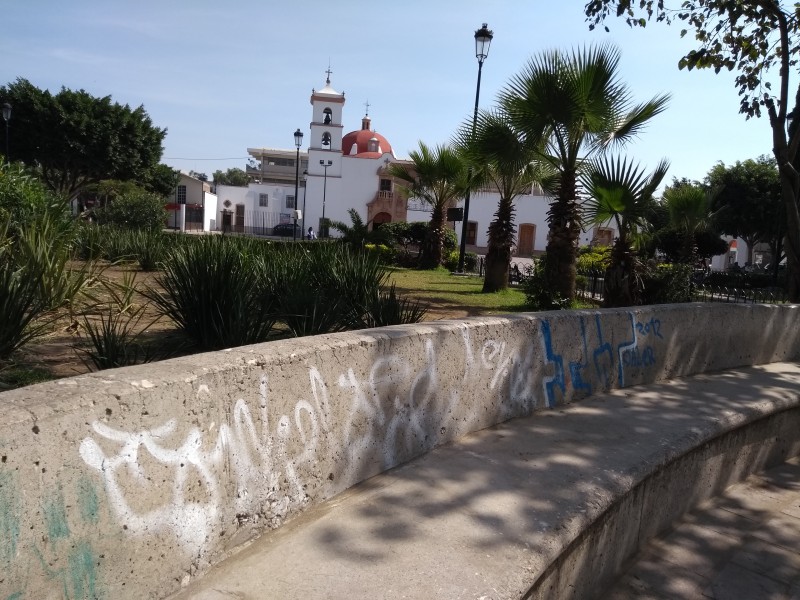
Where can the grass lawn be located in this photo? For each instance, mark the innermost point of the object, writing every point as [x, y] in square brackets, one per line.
[447, 296]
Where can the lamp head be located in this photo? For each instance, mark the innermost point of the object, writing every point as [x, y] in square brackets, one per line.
[6, 112]
[298, 138]
[483, 39]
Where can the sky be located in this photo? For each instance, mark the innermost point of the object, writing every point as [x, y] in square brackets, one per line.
[225, 76]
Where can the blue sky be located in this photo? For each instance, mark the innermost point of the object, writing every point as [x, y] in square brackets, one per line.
[222, 77]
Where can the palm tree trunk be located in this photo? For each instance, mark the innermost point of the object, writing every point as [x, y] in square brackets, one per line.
[433, 256]
[501, 238]
[562, 247]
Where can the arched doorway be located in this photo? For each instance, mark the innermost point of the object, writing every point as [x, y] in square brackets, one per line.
[380, 219]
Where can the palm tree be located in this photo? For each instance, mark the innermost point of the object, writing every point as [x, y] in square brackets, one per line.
[501, 158]
[576, 106]
[690, 209]
[437, 176]
[621, 191]
[357, 234]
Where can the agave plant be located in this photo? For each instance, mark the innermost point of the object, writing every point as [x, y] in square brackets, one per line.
[217, 292]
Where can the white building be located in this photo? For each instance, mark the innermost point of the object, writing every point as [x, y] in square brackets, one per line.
[351, 171]
[191, 207]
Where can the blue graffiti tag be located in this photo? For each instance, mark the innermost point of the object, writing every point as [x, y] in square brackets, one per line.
[603, 368]
[558, 377]
[575, 367]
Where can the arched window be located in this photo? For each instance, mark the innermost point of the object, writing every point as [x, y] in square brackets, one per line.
[328, 116]
[326, 139]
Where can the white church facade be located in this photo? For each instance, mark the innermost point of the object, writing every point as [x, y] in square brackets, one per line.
[340, 171]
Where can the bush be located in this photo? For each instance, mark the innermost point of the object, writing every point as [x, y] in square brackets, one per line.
[539, 294]
[116, 340]
[386, 255]
[137, 209]
[450, 260]
[470, 261]
[594, 258]
[667, 284]
[217, 290]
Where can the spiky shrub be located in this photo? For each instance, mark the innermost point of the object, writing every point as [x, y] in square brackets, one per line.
[90, 242]
[150, 247]
[218, 292]
[20, 301]
[44, 245]
[116, 340]
[388, 308]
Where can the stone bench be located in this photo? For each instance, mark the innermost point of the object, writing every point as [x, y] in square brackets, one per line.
[548, 506]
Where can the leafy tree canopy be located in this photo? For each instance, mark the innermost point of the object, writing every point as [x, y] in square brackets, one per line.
[748, 199]
[754, 38]
[75, 139]
[232, 176]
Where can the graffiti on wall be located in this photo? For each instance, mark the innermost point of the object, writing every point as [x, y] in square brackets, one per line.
[63, 556]
[387, 413]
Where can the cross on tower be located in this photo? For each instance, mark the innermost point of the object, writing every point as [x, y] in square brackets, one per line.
[328, 80]
[366, 104]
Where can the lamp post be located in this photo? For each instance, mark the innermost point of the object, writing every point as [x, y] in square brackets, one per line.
[323, 223]
[483, 39]
[7, 118]
[298, 141]
[305, 187]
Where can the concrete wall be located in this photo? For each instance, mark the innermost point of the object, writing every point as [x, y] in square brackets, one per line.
[128, 483]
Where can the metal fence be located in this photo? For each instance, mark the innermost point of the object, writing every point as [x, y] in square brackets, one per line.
[711, 293]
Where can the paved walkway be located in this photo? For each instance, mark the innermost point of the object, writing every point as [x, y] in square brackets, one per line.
[740, 546]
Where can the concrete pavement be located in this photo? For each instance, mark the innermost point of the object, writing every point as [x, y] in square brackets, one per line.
[741, 545]
[550, 506]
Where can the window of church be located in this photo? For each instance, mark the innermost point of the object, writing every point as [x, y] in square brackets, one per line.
[326, 139]
[263, 200]
[386, 185]
[290, 202]
[181, 194]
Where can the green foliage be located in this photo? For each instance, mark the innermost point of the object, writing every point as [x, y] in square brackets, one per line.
[232, 176]
[134, 210]
[386, 254]
[217, 290]
[594, 258]
[450, 260]
[539, 294]
[75, 139]
[470, 262]
[439, 177]
[116, 341]
[388, 308]
[666, 284]
[574, 105]
[161, 180]
[20, 300]
[357, 233]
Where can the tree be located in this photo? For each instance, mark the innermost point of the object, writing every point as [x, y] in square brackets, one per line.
[691, 211]
[575, 106]
[502, 157]
[621, 191]
[748, 203]
[357, 234]
[232, 176]
[200, 176]
[135, 209]
[438, 176]
[75, 139]
[755, 38]
[162, 180]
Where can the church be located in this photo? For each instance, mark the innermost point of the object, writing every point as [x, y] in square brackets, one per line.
[339, 171]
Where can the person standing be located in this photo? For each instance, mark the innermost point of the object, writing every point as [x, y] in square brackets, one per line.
[311, 234]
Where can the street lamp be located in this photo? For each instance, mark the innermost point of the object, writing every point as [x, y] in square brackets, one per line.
[305, 187]
[325, 165]
[298, 141]
[7, 118]
[483, 39]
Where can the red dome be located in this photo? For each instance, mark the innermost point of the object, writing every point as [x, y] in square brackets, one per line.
[364, 143]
